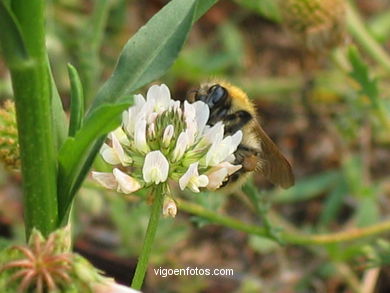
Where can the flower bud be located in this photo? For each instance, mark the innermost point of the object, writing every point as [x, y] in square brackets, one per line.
[168, 134]
[169, 207]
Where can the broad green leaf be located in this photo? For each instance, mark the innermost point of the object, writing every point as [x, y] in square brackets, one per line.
[202, 6]
[76, 152]
[60, 121]
[77, 101]
[150, 52]
[307, 188]
[11, 39]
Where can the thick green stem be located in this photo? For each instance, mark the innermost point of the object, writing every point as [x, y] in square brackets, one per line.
[358, 30]
[288, 237]
[32, 90]
[143, 259]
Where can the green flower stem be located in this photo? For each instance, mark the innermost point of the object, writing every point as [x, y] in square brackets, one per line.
[32, 91]
[358, 30]
[143, 259]
[288, 237]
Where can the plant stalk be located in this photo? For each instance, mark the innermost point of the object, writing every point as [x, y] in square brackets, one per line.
[143, 259]
[288, 237]
[32, 90]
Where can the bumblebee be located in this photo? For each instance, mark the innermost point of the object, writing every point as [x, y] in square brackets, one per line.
[257, 152]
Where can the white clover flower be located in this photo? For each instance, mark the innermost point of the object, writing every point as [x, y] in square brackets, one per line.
[162, 140]
[115, 155]
[118, 181]
[218, 173]
[192, 179]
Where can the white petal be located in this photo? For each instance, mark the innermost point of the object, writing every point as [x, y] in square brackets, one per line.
[139, 100]
[152, 117]
[121, 136]
[192, 127]
[126, 183]
[192, 180]
[140, 136]
[118, 151]
[214, 134]
[151, 130]
[181, 146]
[155, 167]
[189, 111]
[109, 155]
[218, 151]
[229, 167]
[191, 171]
[236, 140]
[202, 113]
[168, 134]
[129, 117]
[216, 178]
[174, 105]
[203, 181]
[191, 131]
[160, 96]
[107, 180]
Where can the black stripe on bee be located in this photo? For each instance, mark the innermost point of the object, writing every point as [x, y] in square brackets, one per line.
[219, 102]
[236, 121]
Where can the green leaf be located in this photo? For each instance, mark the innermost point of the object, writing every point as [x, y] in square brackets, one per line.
[150, 52]
[369, 86]
[77, 101]
[333, 203]
[202, 6]
[60, 121]
[307, 188]
[360, 73]
[75, 155]
[11, 39]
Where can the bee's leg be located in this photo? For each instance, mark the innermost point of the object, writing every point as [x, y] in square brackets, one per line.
[248, 157]
[235, 121]
[234, 177]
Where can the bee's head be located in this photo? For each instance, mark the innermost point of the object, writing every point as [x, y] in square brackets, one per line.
[211, 94]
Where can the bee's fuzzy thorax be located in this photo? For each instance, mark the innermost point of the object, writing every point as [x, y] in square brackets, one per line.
[239, 98]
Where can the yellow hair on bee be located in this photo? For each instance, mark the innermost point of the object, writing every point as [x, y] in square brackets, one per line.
[240, 99]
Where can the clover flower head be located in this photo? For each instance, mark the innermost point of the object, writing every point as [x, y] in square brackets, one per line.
[42, 265]
[162, 140]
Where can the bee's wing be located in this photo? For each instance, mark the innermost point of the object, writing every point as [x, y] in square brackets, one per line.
[273, 165]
